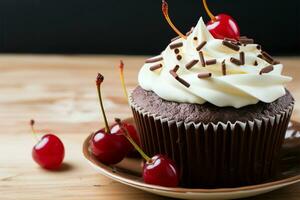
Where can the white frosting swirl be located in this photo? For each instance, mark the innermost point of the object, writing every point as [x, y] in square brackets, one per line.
[241, 86]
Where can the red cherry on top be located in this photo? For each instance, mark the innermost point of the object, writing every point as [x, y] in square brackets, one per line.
[224, 26]
[108, 148]
[116, 129]
[160, 170]
[49, 152]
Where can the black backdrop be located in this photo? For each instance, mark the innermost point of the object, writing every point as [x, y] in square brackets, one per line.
[136, 26]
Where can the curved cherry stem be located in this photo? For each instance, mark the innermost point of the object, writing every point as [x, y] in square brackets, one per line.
[126, 134]
[32, 122]
[99, 80]
[121, 67]
[165, 10]
[212, 17]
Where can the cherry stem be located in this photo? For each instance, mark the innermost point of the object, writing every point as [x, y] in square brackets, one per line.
[126, 134]
[32, 122]
[165, 10]
[212, 17]
[121, 67]
[99, 80]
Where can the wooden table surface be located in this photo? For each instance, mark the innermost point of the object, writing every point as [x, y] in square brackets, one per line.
[59, 93]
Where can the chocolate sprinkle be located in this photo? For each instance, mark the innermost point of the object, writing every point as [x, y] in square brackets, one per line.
[211, 62]
[153, 60]
[183, 82]
[175, 38]
[276, 62]
[242, 58]
[195, 38]
[179, 57]
[191, 64]
[232, 41]
[231, 45]
[176, 51]
[255, 63]
[235, 61]
[223, 68]
[201, 45]
[258, 47]
[176, 45]
[155, 67]
[175, 69]
[246, 41]
[268, 57]
[202, 60]
[173, 73]
[266, 69]
[204, 75]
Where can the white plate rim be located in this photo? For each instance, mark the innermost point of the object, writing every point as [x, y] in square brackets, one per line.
[95, 164]
[197, 193]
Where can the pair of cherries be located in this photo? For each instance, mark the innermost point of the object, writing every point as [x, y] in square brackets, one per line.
[110, 145]
[221, 26]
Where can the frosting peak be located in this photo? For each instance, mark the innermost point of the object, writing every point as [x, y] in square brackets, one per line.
[203, 69]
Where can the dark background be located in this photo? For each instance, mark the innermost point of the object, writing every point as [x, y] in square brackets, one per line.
[136, 26]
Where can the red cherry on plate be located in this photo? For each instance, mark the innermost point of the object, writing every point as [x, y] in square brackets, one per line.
[224, 26]
[49, 152]
[158, 170]
[161, 170]
[108, 148]
[116, 129]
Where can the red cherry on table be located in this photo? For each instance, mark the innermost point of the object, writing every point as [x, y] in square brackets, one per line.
[109, 148]
[49, 152]
[223, 26]
[160, 170]
[116, 129]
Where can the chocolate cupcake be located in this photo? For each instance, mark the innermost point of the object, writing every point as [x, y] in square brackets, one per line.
[217, 107]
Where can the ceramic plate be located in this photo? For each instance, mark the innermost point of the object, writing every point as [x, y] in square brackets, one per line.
[128, 172]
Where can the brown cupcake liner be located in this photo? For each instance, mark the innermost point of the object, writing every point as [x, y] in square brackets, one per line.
[216, 155]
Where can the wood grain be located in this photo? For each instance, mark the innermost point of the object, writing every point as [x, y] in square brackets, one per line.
[59, 93]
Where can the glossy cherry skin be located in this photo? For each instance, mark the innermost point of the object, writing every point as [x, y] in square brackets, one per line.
[224, 27]
[49, 152]
[161, 171]
[115, 129]
[108, 148]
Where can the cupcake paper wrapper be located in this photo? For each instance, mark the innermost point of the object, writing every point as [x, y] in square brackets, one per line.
[216, 155]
